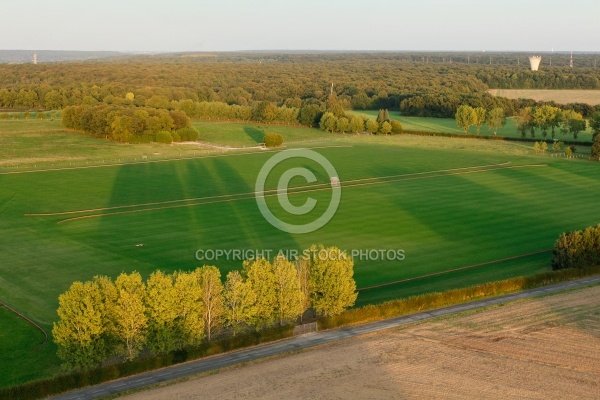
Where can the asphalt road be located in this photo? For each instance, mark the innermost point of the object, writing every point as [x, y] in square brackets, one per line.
[300, 342]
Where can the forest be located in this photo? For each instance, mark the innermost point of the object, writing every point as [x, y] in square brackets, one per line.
[417, 84]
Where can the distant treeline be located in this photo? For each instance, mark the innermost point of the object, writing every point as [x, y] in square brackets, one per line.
[360, 81]
[503, 77]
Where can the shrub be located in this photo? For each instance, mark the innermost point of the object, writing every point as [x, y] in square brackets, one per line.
[176, 136]
[188, 134]
[396, 127]
[3, 116]
[164, 137]
[596, 148]
[146, 137]
[273, 140]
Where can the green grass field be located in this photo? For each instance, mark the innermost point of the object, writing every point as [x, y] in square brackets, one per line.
[243, 134]
[448, 125]
[47, 144]
[42, 144]
[448, 203]
[22, 356]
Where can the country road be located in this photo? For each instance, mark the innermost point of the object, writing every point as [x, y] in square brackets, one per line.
[301, 342]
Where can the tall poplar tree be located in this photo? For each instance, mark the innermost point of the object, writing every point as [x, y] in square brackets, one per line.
[209, 278]
[239, 302]
[129, 314]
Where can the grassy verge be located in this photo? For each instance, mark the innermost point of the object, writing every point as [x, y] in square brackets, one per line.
[431, 301]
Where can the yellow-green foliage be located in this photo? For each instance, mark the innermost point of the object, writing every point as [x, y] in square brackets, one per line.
[332, 285]
[273, 140]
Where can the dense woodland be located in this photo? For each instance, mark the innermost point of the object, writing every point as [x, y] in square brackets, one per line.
[417, 84]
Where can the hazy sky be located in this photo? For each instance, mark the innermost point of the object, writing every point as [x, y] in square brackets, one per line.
[199, 25]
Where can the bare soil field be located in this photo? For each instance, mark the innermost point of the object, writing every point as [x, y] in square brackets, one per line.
[591, 97]
[538, 349]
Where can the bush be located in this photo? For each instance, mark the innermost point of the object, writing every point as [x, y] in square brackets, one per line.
[396, 127]
[273, 140]
[146, 137]
[596, 148]
[164, 137]
[176, 136]
[188, 134]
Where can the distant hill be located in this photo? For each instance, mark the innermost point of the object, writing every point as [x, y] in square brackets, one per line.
[26, 56]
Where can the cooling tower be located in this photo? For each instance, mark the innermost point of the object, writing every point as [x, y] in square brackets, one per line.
[535, 62]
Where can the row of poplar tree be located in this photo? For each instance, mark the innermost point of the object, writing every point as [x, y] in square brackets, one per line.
[102, 319]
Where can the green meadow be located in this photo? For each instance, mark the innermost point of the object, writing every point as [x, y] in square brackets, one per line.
[447, 203]
[247, 134]
[24, 355]
[448, 125]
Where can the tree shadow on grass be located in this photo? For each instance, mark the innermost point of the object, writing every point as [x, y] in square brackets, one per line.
[255, 133]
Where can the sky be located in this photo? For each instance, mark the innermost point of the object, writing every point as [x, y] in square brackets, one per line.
[230, 25]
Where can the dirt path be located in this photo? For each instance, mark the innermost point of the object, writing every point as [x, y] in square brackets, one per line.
[542, 348]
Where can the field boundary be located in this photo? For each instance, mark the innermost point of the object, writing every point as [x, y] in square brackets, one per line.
[30, 321]
[454, 270]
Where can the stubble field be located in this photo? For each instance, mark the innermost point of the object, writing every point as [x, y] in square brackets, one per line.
[538, 349]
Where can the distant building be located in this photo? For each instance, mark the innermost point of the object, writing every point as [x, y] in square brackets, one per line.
[535, 62]
[34, 58]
